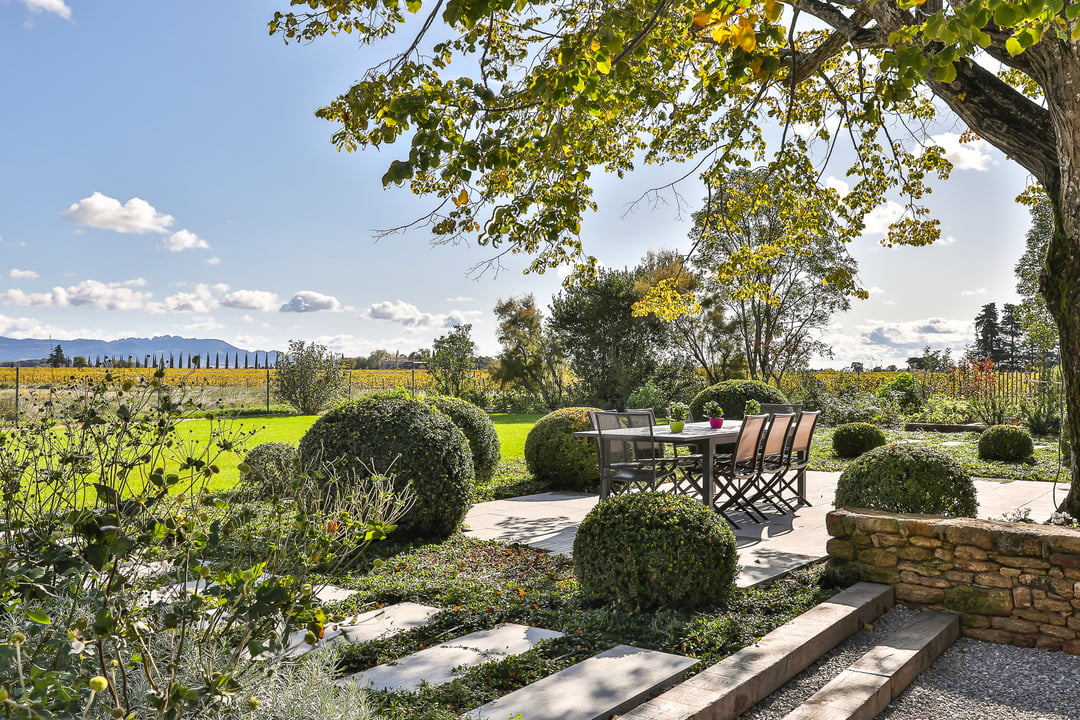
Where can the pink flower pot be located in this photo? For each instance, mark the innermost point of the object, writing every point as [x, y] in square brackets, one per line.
[716, 422]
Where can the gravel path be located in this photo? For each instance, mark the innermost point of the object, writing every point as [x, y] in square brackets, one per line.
[972, 680]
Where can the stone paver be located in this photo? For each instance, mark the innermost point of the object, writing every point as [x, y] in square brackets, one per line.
[443, 663]
[607, 683]
[548, 521]
[371, 625]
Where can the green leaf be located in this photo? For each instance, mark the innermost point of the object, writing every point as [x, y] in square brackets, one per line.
[40, 618]
[413, 5]
[1013, 46]
[604, 66]
[1006, 15]
[946, 73]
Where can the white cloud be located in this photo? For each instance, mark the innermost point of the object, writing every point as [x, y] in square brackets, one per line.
[878, 220]
[880, 342]
[459, 299]
[946, 241]
[838, 185]
[23, 327]
[184, 240]
[56, 7]
[251, 341]
[203, 323]
[93, 294]
[405, 314]
[875, 290]
[808, 130]
[970, 293]
[310, 301]
[970, 155]
[202, 299]
[17, 274]
[213, 261]
[134, 216]
[251, 300]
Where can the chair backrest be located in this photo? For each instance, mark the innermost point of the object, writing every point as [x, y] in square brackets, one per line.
[746, 445]
[776, 437]
[775, 408]
[804, 432]
[623, 449]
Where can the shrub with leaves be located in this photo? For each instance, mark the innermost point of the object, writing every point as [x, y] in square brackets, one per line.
[906, 389]
[479, 431]
[907, 479]
[648, 397]
[101, 495]
[1005, 442]
[309, 377]
[555, 456]
[854, 439]
[423, 447]
[269, 468]
[732, 396]
[654, 550]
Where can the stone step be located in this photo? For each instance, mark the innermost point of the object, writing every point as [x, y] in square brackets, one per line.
[443, 663]
[741, 680]
[371, 625]
[872, 682]
[610, 682]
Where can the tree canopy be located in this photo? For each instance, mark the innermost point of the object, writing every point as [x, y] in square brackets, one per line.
[504, 111]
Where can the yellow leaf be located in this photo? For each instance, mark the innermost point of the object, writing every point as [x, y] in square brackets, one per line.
[462, 198]
[772, 10]
[746, 38]
[702, 18]
[721, 34]
[595, 45]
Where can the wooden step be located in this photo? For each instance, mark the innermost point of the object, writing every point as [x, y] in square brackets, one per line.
[610, 682]
[871, 683]
[741, 680]
[442, 663]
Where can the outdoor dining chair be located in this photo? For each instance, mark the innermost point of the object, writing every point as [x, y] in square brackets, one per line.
[736, 472]
[774, 408]
[792, 481]
[772, 463]
[635, 464]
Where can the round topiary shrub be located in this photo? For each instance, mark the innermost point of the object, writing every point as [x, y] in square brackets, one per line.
[732, 396]
[479, 431]
[651, 550]
[907, 479]
[1005, 442]
[853, 439]
[405, 438]
[555, 456]
[269, 468]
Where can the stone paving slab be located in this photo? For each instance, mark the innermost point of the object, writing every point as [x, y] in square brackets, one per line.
[371, 625]
[610, 682]
[548, 521]
[443, 663]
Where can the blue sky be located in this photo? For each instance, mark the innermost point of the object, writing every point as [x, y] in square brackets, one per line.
[162, 172]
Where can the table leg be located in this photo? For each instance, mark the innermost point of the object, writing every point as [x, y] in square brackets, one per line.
[707, 473]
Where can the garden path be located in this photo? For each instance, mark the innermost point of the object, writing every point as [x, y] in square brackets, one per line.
[548, 521]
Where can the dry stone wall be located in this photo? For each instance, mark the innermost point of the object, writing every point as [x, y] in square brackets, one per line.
[1011, 583]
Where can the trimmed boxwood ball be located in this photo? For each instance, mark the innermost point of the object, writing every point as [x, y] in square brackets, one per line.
[479, 431]
[854, 439]
[907, 479]
[418, 445]
[654, 550]
[732, 396]
[553, 455]
[1005, 442]
[269, 468]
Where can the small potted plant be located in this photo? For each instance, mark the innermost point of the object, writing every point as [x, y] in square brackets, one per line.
[677, 413]
[715, 413]
[753, 407]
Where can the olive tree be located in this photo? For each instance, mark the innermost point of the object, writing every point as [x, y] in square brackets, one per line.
[505, 111]
[309, 377]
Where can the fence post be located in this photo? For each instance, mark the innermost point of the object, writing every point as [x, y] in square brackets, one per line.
[267, 388]
[16, 395]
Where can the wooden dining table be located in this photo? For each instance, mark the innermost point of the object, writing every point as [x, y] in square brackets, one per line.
[700, 435]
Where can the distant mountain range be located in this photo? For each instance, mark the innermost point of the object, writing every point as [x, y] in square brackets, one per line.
[14, 350]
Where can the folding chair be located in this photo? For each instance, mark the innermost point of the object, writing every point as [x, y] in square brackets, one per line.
[736, 473]
[636, 463]
[774, 408]
[773, 458]
[793, 479]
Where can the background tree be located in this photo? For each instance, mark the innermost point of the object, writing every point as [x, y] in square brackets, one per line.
[1011, 330]
[531, 357]
[57, 358]
[611, 351]
[987, 335]
[79, 361]
[453, 360]
[543, 94]
[1041, 335]
[705, 337]
[309, 377]
[776, 280]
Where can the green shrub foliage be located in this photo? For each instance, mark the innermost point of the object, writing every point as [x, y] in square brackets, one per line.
[1005, 442]
[732, 396]
[654, 550]
[269, 468]
[417, 444]
[479, 431]
[906, 390]
[854, 439]
[907, 479]
[555, 456]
